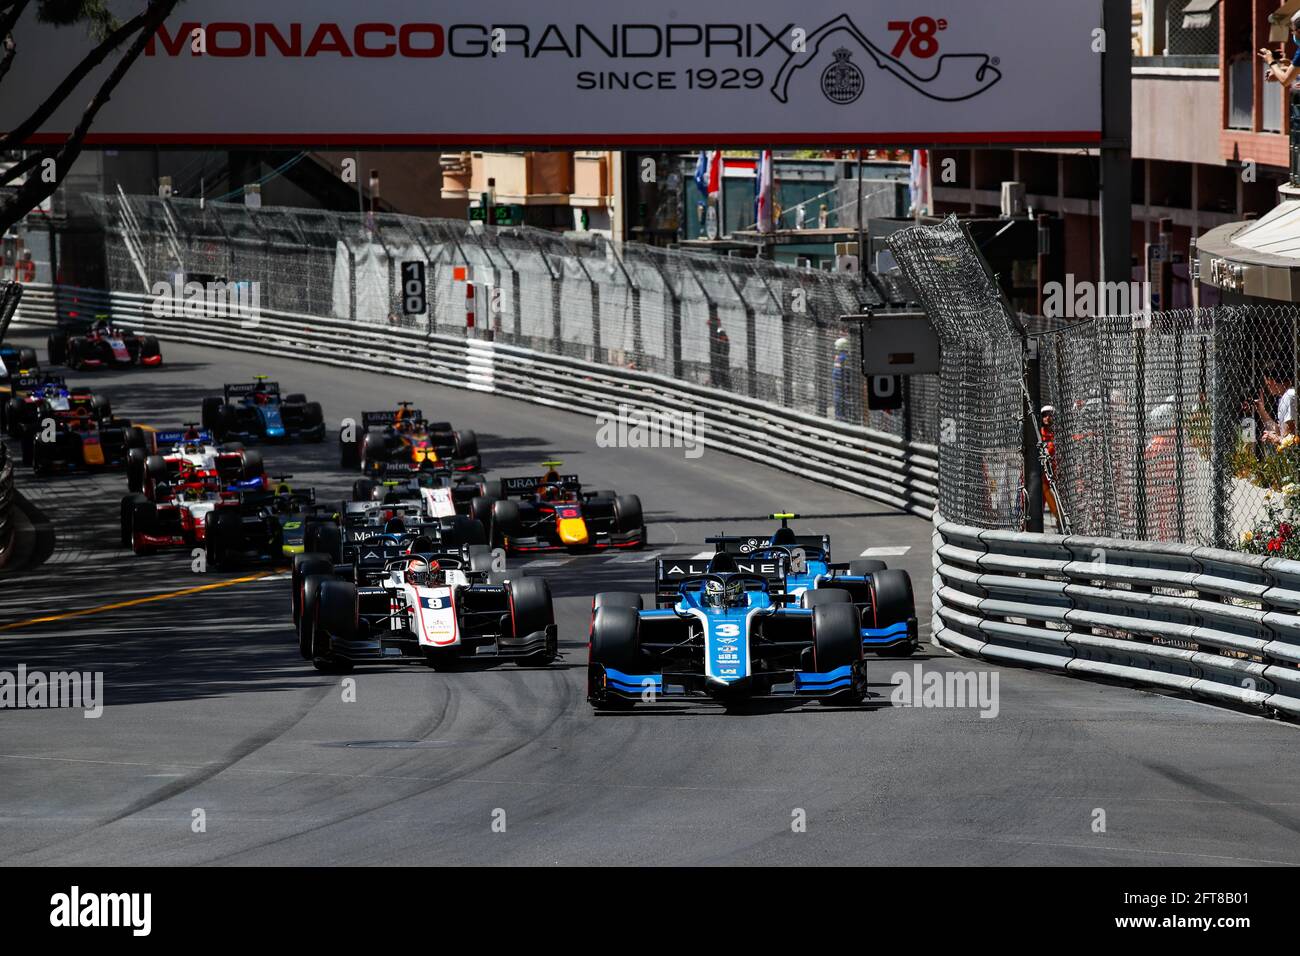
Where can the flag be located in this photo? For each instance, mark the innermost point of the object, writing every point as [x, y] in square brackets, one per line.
[715, 172]
[920, 182]
[702, 173]
[763, 199]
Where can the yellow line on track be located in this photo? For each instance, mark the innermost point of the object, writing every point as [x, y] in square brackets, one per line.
[145, 600]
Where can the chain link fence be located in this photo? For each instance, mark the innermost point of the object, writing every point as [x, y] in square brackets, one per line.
[979, 398]
[747, 326]
[1168, 426]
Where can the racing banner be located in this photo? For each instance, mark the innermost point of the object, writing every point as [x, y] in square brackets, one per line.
[586, 73]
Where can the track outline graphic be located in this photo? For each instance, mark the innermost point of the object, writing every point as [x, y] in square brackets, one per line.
[797, 61]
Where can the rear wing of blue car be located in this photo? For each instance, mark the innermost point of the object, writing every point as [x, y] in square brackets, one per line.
[240, 389]
[740, 544]
[671, 572]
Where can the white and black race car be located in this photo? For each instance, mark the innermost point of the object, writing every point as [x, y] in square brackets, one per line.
[442, 491]
[438, 607]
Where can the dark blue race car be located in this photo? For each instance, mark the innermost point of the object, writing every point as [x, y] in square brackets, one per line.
[882, 595]
[257, 411]
[728, 636]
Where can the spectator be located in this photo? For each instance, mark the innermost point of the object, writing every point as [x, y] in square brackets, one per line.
[1047, 434]
[1280, 69]
[719, 355]
[1277, 385]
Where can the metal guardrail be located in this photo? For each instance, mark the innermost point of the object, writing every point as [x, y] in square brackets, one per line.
[860, 460]
[7, 494]
[1207, 622]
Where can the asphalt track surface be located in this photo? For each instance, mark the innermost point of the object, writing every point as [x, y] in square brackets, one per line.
[209, 707]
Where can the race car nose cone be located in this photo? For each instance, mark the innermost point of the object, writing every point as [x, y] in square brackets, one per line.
[572, 531]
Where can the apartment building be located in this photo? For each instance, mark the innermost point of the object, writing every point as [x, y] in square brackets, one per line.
[1210, 139]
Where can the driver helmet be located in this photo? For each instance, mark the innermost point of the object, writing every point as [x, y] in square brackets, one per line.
[422, 572]
[548, 492]
[724, 592]
[193, 493]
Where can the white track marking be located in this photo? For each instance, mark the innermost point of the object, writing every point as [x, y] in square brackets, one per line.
[892, 551]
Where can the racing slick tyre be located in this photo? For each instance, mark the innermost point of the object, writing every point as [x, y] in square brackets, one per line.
[101, 408]
[480, 559]
[334, 614]
[150, 349]
[43, 458]
[129, 504]
[73, 355]
[326, 540]
[627, 514]
[531, 611]
[12, 415]
[363, 489]
[460, 530]
[466, 444]
[296, 398]
[253, 467]
[837, 642]
[865, 566]
[492, 489]
[373, 449]
[349, 452]
[480, 509]
[310, 591]
[143, 518]
[155, 468]
[135, 438]
[221, 538]
[27, 360]
[57, 347]
[617, 599]
[304, 566]
[892, 602]
[820, 597]
[615, 642]
[213, 418]
[313, 419]
[505, 521]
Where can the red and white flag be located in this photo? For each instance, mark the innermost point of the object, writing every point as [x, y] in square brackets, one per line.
[922, 201]
[763, 211]
[715, 172]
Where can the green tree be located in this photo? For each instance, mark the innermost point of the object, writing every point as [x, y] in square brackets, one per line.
[110, 34]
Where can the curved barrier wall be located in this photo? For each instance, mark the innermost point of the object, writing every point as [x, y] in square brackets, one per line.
[874, 464]
[1212, 623]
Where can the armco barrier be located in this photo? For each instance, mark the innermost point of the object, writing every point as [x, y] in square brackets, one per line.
[7, 494]
[1212, 623]
[857, 459]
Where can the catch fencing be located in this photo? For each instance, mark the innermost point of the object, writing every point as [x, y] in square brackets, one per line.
[747, 327]
[1150, 426]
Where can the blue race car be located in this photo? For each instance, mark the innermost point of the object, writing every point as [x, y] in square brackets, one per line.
[882, 595]
[16, 360]
[728, 636]
[256, 411]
